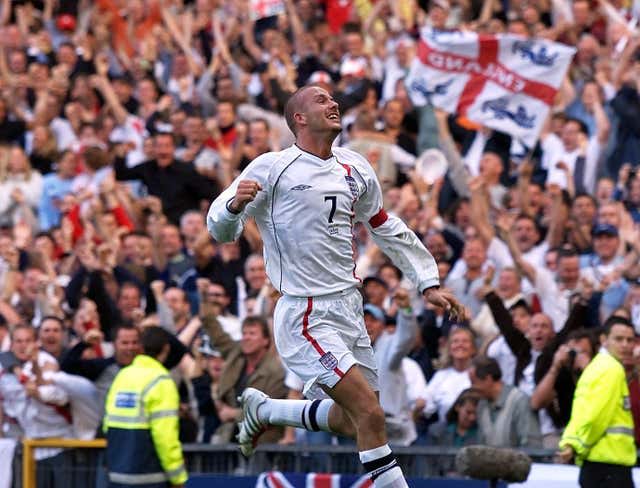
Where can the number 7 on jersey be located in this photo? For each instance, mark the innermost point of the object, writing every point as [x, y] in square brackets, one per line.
[332, 199]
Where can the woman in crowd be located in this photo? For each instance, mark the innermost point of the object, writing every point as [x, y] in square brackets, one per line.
[20, 188]
[448, 382]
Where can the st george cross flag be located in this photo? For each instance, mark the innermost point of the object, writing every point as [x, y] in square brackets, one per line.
[276, 479]
[503, 81]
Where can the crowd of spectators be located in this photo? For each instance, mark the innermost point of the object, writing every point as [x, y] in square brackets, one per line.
[121, 120]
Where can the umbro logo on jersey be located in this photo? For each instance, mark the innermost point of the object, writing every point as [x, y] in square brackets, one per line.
[300, 187]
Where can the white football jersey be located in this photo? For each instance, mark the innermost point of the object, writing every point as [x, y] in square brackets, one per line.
[306, 211]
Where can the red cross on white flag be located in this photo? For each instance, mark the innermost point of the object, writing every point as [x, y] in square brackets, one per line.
[505, 82]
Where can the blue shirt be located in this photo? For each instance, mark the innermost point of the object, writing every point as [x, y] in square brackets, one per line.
[54, 189]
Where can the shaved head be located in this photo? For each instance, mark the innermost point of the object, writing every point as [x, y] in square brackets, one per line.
[294, 105]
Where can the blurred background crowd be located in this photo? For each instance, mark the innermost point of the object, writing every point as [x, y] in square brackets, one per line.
[120, 121]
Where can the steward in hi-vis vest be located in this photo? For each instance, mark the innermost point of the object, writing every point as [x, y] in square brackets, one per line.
[141, 421]
[599, 435]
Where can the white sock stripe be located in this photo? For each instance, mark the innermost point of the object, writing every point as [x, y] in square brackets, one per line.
[377, 472]
[373, 454]
[322, 414]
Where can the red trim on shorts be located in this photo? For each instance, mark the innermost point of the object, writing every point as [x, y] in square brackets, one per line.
[378, 219]
[310, 338]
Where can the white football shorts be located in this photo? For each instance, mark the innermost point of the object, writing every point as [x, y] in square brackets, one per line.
[321, 338]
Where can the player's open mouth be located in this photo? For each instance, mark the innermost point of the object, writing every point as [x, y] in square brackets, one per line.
[333, 117]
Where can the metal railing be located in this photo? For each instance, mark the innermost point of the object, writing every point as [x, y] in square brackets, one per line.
[82, 466]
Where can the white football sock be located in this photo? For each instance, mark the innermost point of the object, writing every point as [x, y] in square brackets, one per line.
[311, 415]
[383, 468]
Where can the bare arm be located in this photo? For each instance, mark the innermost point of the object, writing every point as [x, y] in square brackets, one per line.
[545, 391]
[602, 123]
[505, 224]
[566, 94]
[480, 210]
[182, 39]
[622, 67]
[188, 333]
[249, 41]
[486, 12]
[296, 23]
[102, 83]
[524, 179]
[8, 312]
[559, 217]
[374, 15]
[4, 20]
[457, 171]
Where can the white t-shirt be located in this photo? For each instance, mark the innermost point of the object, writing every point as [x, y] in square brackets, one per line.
[306, 210]
[443, 390]
[501, 352]
[554, 152]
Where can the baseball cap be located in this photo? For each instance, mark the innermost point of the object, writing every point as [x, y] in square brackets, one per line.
[66, 22]
[605, 230]
[207, 350]
[377, 312]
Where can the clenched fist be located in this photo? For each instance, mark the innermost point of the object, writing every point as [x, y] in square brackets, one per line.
[246, 193]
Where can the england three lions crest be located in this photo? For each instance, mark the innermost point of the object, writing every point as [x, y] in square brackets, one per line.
[329, 361]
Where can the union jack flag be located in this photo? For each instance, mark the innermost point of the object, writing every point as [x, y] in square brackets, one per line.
[276, 479]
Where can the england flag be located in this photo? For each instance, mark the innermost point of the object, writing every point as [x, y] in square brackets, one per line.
[503, 81]
[276, 479]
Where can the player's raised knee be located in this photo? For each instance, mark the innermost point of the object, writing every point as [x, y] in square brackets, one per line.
[371, 417]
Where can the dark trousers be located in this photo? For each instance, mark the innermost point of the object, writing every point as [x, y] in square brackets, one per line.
[604, 475]
[54, 472]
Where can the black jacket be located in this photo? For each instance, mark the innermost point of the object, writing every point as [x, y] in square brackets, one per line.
[179, 185]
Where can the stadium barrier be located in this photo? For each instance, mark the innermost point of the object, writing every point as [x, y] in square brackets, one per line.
[82, 466]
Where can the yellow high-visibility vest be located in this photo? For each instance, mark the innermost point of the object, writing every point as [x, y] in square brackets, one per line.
[601, 425]
[142, 428]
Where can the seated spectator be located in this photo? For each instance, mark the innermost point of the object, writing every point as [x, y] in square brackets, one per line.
[505, 418]
[249, 363]
[206, 381]
[453, 378]
[461, 427]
